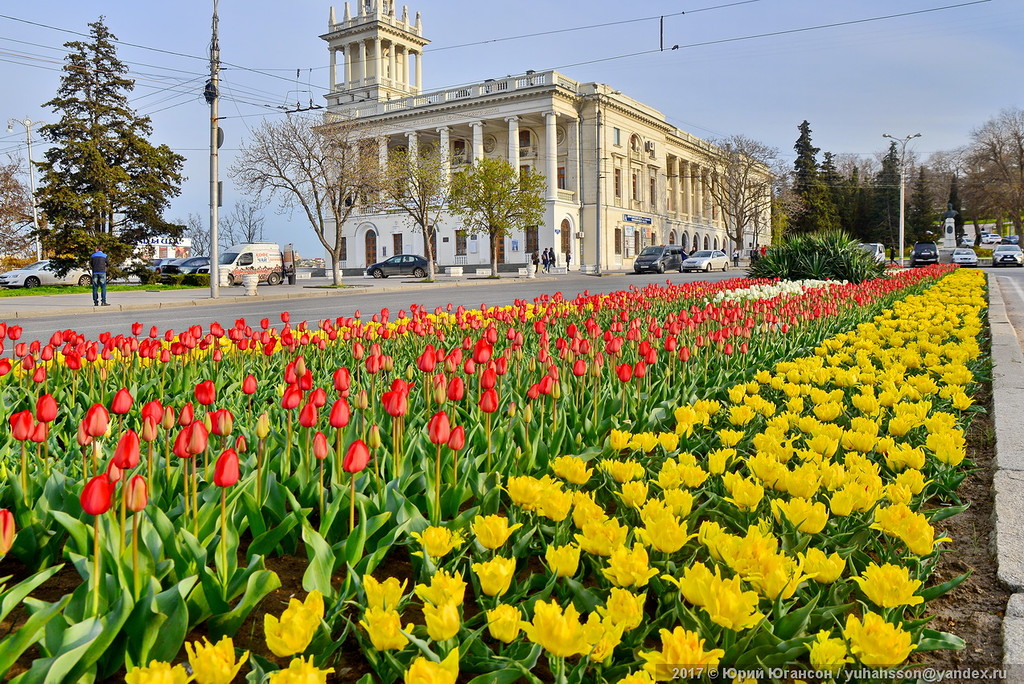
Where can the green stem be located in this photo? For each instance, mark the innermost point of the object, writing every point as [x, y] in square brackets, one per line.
[352, 504]
[96, 566]
[24, 473]
[135, 555]
[437, 486]
[224, 538]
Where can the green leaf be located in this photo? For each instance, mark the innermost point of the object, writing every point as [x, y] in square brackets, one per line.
[937, 514]
[321, 563]
[27, 634]
[12, 597]
[260, 583]
[932, 640]
[266, 544]
[932, 593]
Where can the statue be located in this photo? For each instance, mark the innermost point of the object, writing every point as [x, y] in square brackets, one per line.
[949, 227]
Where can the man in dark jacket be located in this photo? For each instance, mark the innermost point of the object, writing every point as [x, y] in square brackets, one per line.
[98, 263]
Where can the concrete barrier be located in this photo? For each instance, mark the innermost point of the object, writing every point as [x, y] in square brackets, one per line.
[453, 271]
[483, 272]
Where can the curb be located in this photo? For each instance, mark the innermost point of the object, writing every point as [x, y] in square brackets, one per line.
[1008, 479]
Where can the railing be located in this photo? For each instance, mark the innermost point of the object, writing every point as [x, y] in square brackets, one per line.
[461, 259]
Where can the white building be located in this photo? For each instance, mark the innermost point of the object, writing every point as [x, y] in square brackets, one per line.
[619, 176]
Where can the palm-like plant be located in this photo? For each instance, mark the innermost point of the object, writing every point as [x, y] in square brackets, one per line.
[827, 255]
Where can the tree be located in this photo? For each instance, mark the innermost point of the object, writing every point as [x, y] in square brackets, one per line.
[883, 220]
[198, 231]
[816, 209]
[102, 182]
[741, 184]
[322, 170]
[921, 214]
[494, 199]
[418, 185]
[15, 212]
[996, 156]
[243, 225]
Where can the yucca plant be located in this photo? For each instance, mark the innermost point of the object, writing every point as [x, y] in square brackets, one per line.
[827, 255]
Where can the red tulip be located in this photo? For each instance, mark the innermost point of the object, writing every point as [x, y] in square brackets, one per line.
[439, 428]
[149, 429]
[114, 473]
[625, 372]
[320, 446]
[122, 402]
[342, 379]
[291, 398]
[6, 531]
[579, 368]
[489, 401]
[318, 397]
[221, 421]
[40, 431]
[457, 439]
[206, 392]
[153, 409]
[46, 408]
[241, 445]
[39, 375]
[285, 317]
[96, 420]
[198, 437]
[249, 384]
[136, 493]
[96, 495]
[488, 379]
[340, 414]
[83, 437]
[482, 351]
[395, 403]
[136, 328]
[456, 389]
[21, 425]
[308, 415]
[356, 458]
[126, 455]
[14, 332]
[180, 447]
[226, 472]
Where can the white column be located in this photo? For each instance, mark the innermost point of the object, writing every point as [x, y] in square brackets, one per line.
[347, 65]
[382, 152]
[551, 154]
[446, 154]
[478, 140]
[362, 62]
[688, 188]
[391, 64]
[408, 77]
[334, 70]
[698, 191]
[574, 160]
[419, 71]
[378, 61]
[414, 145]
[513, 141]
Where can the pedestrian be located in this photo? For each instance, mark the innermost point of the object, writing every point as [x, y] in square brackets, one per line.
[735, 257]
[754, 254]
[764, 250]
[892, 254]
[536, 263]
[546, 258]
[98, 262]
[568, 261]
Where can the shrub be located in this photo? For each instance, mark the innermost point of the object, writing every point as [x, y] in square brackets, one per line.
[197, 279]
[818, 256]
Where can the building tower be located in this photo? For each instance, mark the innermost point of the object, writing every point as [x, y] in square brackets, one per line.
[381, 55]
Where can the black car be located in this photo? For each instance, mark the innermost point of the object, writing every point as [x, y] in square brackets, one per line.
[186, 266]
[400, 264]
[923, 254]
[660, 258]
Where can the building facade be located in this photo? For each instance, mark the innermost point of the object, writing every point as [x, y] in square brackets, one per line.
[619, 176]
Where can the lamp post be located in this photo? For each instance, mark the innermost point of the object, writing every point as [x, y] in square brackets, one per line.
[28, 124]
[903, 182]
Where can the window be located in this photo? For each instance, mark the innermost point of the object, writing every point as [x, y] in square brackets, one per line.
[636, 186]
[654, 192]
[460, 242]
[344, 249]
[634, 144]
[531, 240]
[618, 182]
[638, 243]
[459, 150]
[618, 240]
[396, 242]
[245, 259]
[617, 137]
[525, 142]
[561, 178]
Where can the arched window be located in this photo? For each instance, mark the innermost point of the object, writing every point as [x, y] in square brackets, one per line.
[371, 247]
[707, 242]
[566, 229]
[696, 241]
[634, 144]
[672, 237]
[716, 244]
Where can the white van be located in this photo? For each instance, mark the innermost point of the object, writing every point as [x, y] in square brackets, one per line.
[261, 258]
[875, 249]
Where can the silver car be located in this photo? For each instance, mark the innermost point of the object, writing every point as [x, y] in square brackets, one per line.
[39, 273]
[964, 257]
[706, 260]
[1007, 255]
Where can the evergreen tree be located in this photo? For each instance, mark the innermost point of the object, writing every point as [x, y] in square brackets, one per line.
[954, 201]
[102, 183]
[884, 215]
[921, 214]
[817, 210]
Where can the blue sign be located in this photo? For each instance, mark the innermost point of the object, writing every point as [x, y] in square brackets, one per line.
[645, 220]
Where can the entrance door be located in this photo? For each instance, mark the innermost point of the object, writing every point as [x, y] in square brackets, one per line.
[371, 247]
[396, 241]
[565, 228]
[500, 249]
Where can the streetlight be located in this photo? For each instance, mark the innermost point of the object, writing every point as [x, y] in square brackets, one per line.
[28, 124]
[903, 153]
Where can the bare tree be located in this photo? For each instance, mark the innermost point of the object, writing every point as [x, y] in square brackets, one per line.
[741, 184]
[197, 230]
[995, 159]
[248, 220]
[15, 212]
[323, 170]
[418, 186]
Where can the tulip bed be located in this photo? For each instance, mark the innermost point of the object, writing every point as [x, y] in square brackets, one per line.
[635, 486]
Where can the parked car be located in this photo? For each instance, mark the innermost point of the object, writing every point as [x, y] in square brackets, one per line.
[660, 258]
[1010, 240]
[400, 264]
[990, 238]
[875, 249]
[965, 257]
[156, 265]
[706, 260]
[185, 266]
[1007, 255]
[924, 253]
[39, 273]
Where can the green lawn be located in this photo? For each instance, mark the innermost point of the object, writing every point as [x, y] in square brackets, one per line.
[74, 289]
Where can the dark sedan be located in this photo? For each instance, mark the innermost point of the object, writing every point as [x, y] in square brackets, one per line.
[186, 266]
[400, 264]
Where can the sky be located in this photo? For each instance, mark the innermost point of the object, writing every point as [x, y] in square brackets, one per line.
[854, 69]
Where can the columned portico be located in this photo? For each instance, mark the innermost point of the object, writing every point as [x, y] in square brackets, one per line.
[513, 141]
[551, 155]
[446, 157]
[478, 140]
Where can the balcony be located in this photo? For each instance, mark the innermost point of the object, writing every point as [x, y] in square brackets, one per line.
[566, 195]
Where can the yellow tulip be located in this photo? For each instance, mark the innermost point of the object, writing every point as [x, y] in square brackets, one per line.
[555, 503]
[571, 469]
[669, 441]
[745, 494]
[629, 567]
[292, 633]
[492, 531]
[563, 560]
[729, 438]
[438, 541]
[828, 653]
[602, 637]
[731, 607]
[527, 492]
[384, 595]
[495, 575]
[443, 621]
[821, 568]
[718, 460]
[696, 582]
[558, 632]
[423, 671]
[585, 509]
[300, 671]
[680, 646]
[619, 440]
[504, 623]
[158, 673]
[444, 588]
[634, 494]
[622, 471]
[214, 664]
[679, 500]
[385, 629]
[888, 586]
[623, 608]
[807, 516]
[601, 538]
[875, 642]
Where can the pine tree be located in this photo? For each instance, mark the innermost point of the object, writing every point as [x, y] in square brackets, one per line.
[817, 211]
[921, 214]
[884, 216]
[102, 183]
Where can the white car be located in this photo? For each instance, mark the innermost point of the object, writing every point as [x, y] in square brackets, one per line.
[990, 238]
[965, 257]
[1007, 255]
[39, 273]
[706, 260]
[875, 249]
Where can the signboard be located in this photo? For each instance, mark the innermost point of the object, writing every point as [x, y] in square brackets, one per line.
[644, 220]
[628, 231]
[167, 241]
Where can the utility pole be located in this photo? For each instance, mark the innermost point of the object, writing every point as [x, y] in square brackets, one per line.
[28, 124]
[212, 94]
[903, 182]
